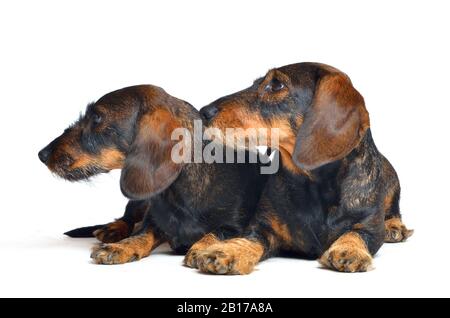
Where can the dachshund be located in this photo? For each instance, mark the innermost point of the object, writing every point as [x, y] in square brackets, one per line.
[188, 204]
[335, 198]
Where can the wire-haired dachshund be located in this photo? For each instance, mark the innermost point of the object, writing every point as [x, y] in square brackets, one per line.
[180, 203]
[336, 197]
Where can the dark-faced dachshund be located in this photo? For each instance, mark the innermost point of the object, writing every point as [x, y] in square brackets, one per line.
[336, 197]
[178, 203]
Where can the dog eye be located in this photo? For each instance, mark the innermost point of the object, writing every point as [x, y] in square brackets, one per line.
[96, 119]
[274, 86]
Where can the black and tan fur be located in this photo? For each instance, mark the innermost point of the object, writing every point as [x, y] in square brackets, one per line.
[130, 129]
[336, 197]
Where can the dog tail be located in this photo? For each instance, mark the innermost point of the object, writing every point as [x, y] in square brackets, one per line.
[87, 231]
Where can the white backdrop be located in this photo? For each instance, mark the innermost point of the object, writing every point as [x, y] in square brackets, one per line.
[55, 57]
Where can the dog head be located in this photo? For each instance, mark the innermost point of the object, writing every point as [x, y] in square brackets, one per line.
[128, 129]
[321, 117]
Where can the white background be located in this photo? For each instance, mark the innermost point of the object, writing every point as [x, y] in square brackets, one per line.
[55, 57]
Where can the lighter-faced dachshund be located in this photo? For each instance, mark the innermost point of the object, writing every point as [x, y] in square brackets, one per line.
[336, 197]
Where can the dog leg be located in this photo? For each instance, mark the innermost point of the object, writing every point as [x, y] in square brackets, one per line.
[128, 250]
[348, 254]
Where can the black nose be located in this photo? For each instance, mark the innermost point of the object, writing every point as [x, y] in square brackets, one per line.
[209, 112]
[44, 154]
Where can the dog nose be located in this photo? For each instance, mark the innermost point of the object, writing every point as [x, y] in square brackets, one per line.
[209, 112]
[44, 154]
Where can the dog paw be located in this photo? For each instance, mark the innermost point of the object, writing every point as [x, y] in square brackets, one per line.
[233, 257]
[110, 254]
[113, 232]
[396, 231]
[220, 262]
[206, 241]
[348, 254]
[344, 260]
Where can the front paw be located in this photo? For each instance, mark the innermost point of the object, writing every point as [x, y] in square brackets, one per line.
[111, 254]
[233, 257]
[348, 254]
[396, 231]
[190, 259]
[113, 232]
[217, 261]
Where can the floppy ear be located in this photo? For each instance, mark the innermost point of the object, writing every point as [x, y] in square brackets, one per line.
[333, 126]
[148, 168]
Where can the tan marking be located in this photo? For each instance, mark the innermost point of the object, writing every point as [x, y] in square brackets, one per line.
[233, 257]
[286, 133]
[128, 250]
[396, 231]
[234, 116]
[191, 257]
[348, 254]
[287, 144]
[281, 231]
[108, 158]
[274, 242]
[358, 226]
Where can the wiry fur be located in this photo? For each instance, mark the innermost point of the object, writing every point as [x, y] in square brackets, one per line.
[333, 181]
[135, 128]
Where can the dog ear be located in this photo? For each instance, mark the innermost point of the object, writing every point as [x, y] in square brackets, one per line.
[148, 168]
[333, 126]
